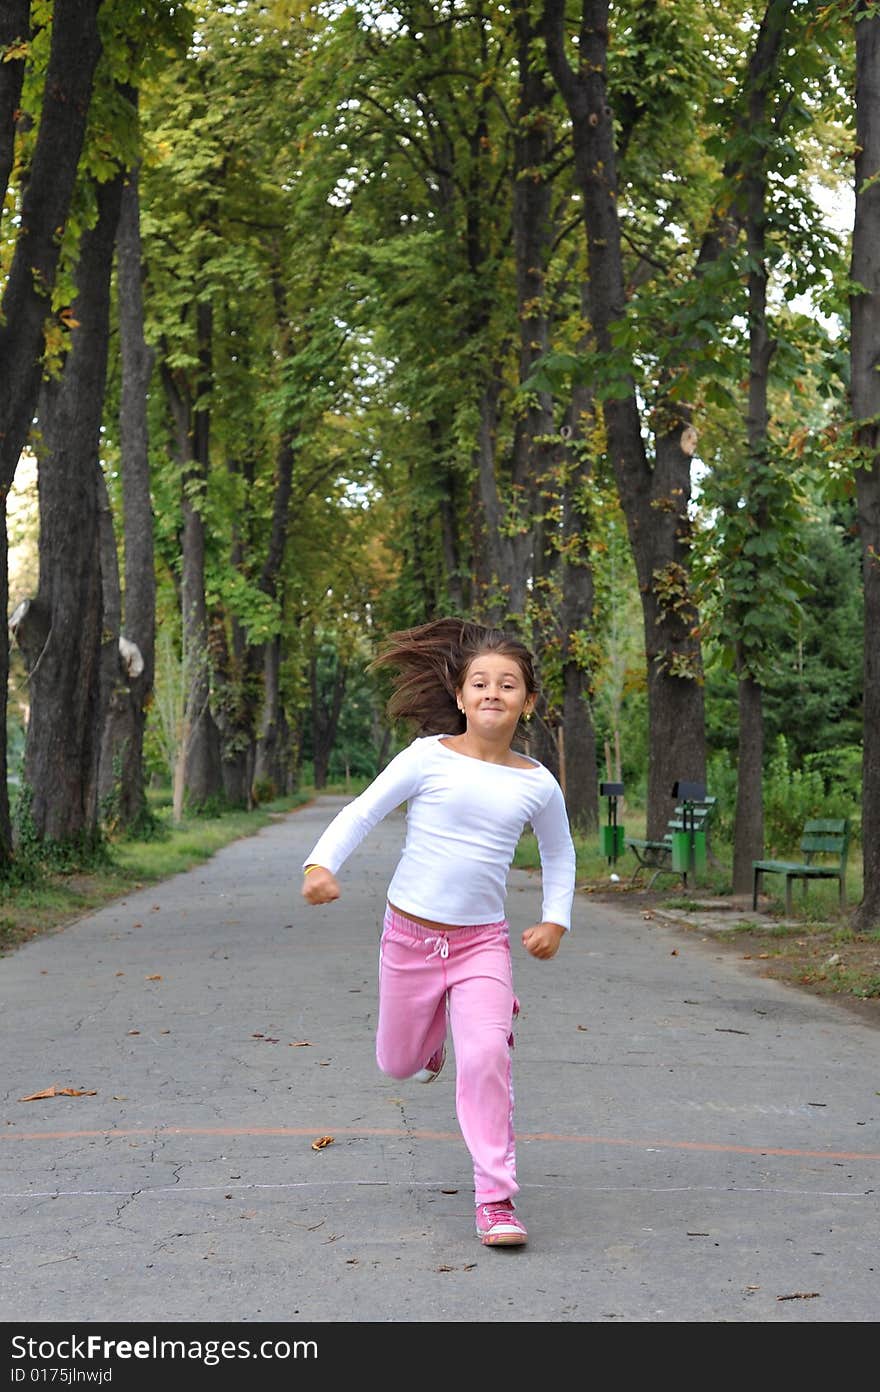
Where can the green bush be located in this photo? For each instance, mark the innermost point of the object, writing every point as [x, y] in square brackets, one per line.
[828, 784]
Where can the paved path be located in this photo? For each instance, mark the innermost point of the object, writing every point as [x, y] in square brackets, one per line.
[696, 1143]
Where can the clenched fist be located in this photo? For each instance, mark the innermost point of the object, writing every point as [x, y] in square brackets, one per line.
[320, 886]
[542, 939]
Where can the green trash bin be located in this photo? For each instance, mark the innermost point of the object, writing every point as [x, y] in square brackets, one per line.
[681, 852]
[611, 841]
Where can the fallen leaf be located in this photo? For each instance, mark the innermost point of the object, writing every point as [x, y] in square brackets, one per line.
[322, 1141]
[134, 1031]
[585, 1028]
[58, 1092]
[157, 977]
[301, 1044]
[120, 973]
[674, 952]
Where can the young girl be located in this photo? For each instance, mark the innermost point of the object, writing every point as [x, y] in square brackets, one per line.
[445, 946]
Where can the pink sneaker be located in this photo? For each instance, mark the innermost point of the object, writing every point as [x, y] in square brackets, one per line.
[433, 1067]
[498, 1225]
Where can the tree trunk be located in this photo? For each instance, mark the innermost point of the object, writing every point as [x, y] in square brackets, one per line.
[865, 311]
[748, 836]
[325, 717]
[14, 29]
[112, 702]
[269, 769]
[270, 761]
[198, 775]
[655, 499]
[122, 760]
[581, 781]
[75, 50]
[749, 827]
[64, 732]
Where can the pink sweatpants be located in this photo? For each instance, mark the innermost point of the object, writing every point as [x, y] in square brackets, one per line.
[420, 972]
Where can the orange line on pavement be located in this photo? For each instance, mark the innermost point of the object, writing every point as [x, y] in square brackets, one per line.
[396, 1132]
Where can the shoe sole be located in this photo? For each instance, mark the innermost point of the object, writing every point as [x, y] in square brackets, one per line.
[503, 1239]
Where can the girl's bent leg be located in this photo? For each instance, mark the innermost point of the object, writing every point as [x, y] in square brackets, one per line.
[481, 1013]
[412, 1005]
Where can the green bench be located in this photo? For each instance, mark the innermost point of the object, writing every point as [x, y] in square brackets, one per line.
[824, 837]
[657, 855]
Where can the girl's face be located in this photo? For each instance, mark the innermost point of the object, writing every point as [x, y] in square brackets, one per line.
[493, 696]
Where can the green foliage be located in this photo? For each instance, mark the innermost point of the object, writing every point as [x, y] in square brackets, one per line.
[35, 857]
[822, 785]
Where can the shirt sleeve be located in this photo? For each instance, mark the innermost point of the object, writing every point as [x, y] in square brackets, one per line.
[397, 782]
[558, 862]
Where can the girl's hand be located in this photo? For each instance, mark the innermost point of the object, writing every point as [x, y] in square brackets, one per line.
[542, 940]
[320, 886]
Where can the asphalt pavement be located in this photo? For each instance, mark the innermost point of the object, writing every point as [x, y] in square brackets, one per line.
[695, 1143]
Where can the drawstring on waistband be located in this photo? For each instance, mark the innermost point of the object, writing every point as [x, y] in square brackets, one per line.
[441, 948]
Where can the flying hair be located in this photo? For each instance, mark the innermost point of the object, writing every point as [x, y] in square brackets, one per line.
[431, 663]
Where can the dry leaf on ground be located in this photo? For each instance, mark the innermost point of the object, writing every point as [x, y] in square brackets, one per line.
[59, 1092]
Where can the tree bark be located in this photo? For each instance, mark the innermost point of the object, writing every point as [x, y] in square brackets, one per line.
[865, 359]
[326, 708]
[748, 845]
[748, 834]
[64, 731]
[14, 28]
[122, 764]
[74, 54]
[270, 770]
[198, 775]
[578, 594]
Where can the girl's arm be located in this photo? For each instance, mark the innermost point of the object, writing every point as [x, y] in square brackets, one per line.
[394, 785]
[558, 866]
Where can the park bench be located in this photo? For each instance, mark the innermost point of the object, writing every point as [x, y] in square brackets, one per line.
[657, 855]
[825, 837]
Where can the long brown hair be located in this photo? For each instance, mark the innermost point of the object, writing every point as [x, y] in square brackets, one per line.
[431, 661]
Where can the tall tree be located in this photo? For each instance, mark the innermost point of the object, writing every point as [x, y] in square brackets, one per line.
[122, 766]
[45, 204]
[654, 493]
[66, 690]
[865, 321]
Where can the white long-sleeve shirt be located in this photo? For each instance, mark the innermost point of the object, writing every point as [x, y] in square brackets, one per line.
[463, 822]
